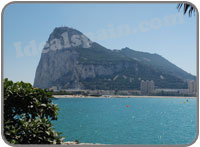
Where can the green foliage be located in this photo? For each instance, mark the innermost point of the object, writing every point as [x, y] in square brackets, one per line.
[67, 92]
[133, 65]
[98, 55]
[157, 62]
[28, 113]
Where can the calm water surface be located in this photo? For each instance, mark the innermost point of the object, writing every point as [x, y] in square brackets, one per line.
[111, 121]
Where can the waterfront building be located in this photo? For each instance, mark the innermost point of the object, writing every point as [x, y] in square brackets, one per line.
[192, 87]
[147, 87]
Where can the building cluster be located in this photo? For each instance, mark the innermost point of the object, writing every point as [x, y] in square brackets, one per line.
[174, 92]
[147, 87]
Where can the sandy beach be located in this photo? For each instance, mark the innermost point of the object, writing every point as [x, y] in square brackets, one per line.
[116, 96]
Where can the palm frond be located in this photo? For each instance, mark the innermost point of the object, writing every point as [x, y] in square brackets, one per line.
[187, 8]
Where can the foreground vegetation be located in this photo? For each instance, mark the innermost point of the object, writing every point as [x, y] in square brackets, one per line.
[28, 113]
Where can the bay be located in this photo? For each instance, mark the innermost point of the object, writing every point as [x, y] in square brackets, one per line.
[127, 120]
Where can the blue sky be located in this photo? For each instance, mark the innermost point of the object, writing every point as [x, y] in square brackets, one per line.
[152, 29]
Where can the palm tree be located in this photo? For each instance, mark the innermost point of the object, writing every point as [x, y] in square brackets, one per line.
[187, 8]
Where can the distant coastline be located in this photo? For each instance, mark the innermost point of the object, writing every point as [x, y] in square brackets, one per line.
[116, 96]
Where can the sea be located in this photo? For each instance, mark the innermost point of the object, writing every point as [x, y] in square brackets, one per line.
[127, 120]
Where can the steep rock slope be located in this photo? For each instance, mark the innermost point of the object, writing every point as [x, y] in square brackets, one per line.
[70, 60]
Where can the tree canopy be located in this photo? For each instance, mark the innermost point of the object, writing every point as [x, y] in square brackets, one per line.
[28, 112]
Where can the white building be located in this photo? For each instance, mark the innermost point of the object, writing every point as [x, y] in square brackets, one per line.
[147, 87]
[192, 87]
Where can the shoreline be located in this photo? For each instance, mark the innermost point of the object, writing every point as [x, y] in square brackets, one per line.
[75, 143]
[117, 96]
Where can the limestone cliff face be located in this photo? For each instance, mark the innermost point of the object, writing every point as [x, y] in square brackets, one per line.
[54, 65]
[59, 59]
[70, 60]
[59, 64]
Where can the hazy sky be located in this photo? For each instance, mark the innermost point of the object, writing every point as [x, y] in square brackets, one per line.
[154, 28]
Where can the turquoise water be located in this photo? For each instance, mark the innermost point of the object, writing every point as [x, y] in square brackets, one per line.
[111, 121]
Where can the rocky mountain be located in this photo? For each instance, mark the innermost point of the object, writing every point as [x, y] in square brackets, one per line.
[157, 62]
[70, 60]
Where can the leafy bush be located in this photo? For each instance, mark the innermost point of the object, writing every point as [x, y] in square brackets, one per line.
[28, 113]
